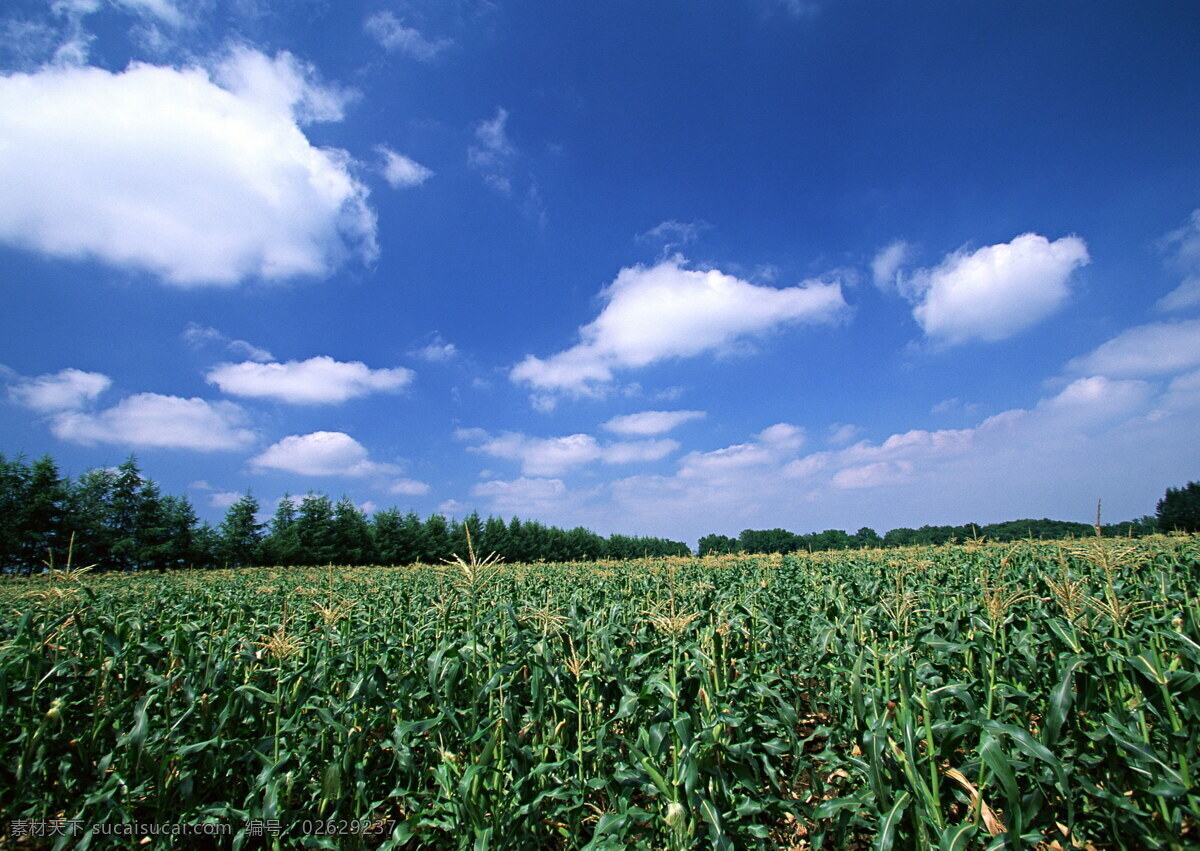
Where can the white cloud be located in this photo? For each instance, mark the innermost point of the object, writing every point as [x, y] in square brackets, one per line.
[1182, 245]
[997, 291]
[539, 497]
[401, 172]
[1145, 350]
[843, 433]
[493, 152]
[282, 85]
[873, 475]
[667, 311]
[552, 456]
[150, 420]
[161, 10]
[1097, 399]
[671, 234]
[65, 390]
[198, 336]
[408, 487]
[626, 452]
[651, 422]
[392, 34]
[887, 263]
[767, 451]
[543, 456]
[201, 178]
[223, 499]
[316, 381]
[321, 453]
[1184, 296]
[437, 352]
[1182, 248]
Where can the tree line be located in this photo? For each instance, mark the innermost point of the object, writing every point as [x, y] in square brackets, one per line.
[783, 541]
[118, 519]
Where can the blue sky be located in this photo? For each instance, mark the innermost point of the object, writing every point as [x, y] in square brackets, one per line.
[660, 268]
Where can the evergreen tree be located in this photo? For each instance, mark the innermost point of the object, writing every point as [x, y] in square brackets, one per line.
[1180, 508]
[314, 526]
[124, 512]
[241, 533]
[435, 541]
[351, 534]
[14, 483]
[474, 525]
[387, 532]
[152, 529]
[41, 517]
[495, 537]
[89, 510]
[517, 550]
[281, 546]
[182, 548]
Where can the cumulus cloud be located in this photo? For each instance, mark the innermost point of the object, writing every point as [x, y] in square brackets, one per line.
[766, 451]
[223, 499]
[201, 336]
[538, 496]
[551, 456]
[393, 35]
[887, 263]
[997, 291]
[408, 487]
[437, 351]
[200, 177]
[1095, 399]
[65, 390]
[151, 420]
[1156, 349]
[651, 422]
[320, 453]
[316, 381]
[667, 311]
[401, 172]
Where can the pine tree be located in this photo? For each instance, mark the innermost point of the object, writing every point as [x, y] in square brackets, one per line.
[314, 527]
[352, 542]
[282, 543]
[1180, 508]
[241, 533]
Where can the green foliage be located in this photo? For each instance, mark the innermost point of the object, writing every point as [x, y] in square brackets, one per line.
[241, 533]
[971, 697]
[1180, 508]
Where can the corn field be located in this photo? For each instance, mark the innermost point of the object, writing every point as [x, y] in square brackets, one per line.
[985, 696]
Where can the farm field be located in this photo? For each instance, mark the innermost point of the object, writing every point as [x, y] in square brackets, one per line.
[1017, 695]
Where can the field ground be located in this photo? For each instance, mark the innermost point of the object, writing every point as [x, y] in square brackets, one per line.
[1019, 695]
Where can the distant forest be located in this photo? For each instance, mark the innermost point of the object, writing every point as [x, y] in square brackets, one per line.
[118, 519]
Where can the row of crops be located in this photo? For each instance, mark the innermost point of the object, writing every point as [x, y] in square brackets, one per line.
[1016, 695]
